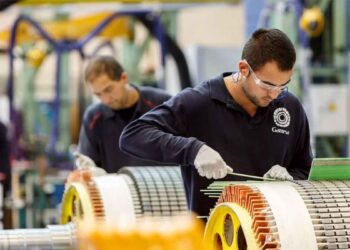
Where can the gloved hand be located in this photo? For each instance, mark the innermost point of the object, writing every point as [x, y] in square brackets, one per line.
[209, 163]
[279, 173]
[84, 162]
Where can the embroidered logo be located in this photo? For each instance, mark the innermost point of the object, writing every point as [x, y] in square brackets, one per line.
[281, 117]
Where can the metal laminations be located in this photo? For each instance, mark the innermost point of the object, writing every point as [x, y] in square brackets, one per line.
[282, 215]
[160, 190]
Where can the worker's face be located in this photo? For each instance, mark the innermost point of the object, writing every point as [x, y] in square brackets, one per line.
[264, 85]
[112, 93]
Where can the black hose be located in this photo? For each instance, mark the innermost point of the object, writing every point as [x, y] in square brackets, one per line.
[175, 51]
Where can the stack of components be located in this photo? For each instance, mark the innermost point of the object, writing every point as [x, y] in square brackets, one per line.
[160, 190]
[281, 215]
[128, 196]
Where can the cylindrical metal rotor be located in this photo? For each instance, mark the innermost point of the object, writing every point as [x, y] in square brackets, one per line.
[280, 215]
[53, 237]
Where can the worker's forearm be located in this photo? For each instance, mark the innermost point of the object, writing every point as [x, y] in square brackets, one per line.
[146, 141]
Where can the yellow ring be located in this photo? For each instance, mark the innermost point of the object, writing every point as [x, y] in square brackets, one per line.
[229, 227]
[76, 204]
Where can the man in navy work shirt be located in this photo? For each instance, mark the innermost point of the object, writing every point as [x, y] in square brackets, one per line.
[120, 103]
[246, 121]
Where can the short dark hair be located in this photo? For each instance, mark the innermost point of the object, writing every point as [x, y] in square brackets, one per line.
[268, 45]
[103, 65]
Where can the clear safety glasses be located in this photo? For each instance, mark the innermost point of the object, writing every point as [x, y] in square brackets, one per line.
[266, 85]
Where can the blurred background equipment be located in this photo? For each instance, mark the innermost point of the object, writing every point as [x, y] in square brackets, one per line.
[33, 41]
[36, 194]
[312, 21]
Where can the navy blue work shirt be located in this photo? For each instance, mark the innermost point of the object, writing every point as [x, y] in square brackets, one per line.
[102, 126]
[207, 114]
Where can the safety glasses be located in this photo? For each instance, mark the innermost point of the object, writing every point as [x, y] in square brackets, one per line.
[266, 85]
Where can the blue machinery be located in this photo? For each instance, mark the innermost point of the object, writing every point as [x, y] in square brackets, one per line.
[148, 18]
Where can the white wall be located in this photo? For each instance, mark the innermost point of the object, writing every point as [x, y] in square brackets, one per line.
[221, 25]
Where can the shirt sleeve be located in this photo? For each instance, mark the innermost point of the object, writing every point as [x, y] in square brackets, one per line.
[162, 96]
[160, 135]
[156, 96]
[88, 145]
[302, 159]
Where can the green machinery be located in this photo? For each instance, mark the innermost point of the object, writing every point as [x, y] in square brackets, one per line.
[321, 39]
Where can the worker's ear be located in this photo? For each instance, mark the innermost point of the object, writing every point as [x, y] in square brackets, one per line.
[243, 69]
[124, 77]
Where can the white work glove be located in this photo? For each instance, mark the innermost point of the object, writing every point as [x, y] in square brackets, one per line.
[279, 173]
[209, 163]
[83, 162]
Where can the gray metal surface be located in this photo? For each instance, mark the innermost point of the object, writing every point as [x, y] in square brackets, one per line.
[160, 190]
[53, 237]
[328, 203]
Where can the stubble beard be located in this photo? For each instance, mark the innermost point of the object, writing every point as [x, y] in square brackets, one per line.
[252, 99]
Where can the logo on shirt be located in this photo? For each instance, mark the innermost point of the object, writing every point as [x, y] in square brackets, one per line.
[281, 118]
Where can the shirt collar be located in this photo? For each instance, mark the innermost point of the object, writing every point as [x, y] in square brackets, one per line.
[218, 91]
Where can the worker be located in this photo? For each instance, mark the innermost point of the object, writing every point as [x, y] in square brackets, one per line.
[5, 168]
[120, 103]
[245, 121]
